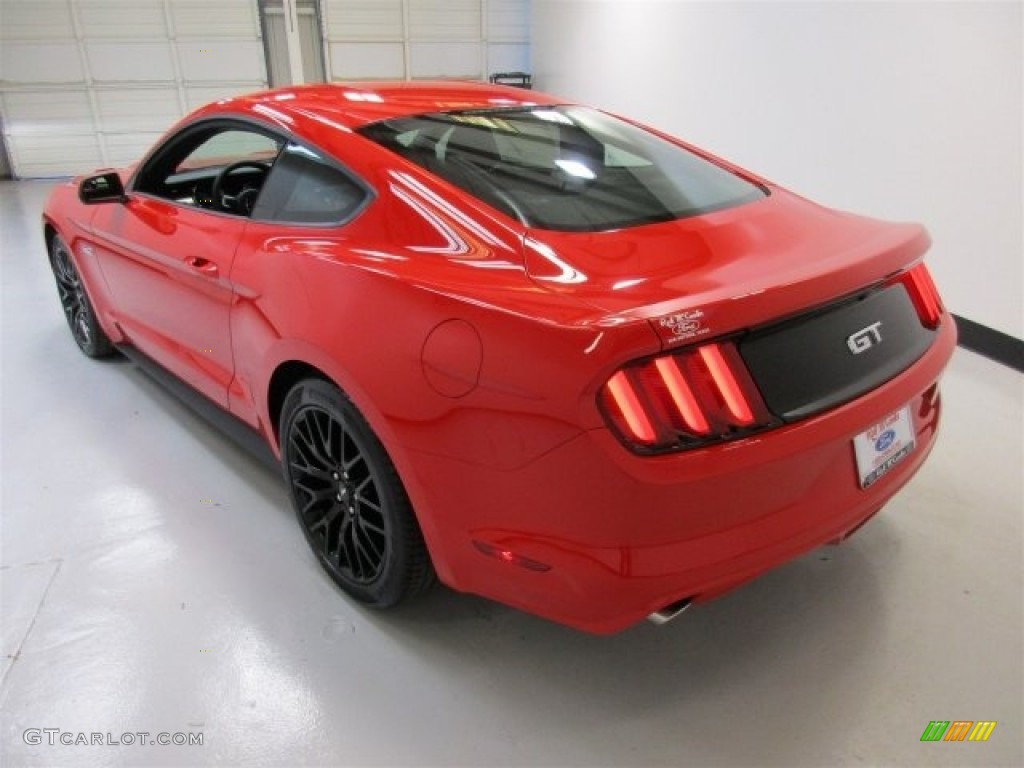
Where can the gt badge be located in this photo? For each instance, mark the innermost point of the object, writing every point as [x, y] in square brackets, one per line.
[865, 338]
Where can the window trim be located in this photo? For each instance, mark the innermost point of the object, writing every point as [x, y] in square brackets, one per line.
[160, 152]
[244, 122]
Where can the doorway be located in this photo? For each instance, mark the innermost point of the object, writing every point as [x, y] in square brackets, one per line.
[292, 42]
[5, 165]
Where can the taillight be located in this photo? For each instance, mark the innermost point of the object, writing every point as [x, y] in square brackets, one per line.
[685, 399]
[924, 295]
[630, 409]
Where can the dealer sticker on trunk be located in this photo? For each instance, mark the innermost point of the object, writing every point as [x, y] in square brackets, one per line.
[883, 446]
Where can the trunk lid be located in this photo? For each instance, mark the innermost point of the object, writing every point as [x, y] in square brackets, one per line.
[726, 271]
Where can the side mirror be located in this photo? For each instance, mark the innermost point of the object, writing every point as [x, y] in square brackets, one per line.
[102, 188]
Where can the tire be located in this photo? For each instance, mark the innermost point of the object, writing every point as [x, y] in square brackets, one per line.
[78, 310]
[349, 499]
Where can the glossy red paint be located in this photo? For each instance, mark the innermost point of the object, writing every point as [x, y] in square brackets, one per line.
[477, 349]
[166, 267]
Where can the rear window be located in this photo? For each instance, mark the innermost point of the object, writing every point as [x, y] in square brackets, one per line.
[564, 168]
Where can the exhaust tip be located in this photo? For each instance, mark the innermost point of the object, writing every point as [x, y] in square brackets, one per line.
[669, 612]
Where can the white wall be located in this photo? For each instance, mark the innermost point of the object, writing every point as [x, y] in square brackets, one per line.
[902, 110]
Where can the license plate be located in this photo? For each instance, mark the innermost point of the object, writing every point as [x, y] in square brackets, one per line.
[883, 446]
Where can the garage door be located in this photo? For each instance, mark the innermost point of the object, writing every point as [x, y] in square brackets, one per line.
[415, 39]
[91, 83]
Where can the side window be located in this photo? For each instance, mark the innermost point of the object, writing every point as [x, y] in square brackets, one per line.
[214, 166]
[304, 188]
[228, 147]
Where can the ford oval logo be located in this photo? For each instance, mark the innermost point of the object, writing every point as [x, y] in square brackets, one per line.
[885, 440]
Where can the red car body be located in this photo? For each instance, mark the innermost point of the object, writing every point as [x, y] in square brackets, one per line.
[480, 352]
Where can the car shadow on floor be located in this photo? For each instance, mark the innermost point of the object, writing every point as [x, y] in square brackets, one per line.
[806, 627]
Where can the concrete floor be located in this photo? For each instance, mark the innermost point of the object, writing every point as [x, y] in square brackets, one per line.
[155, 581]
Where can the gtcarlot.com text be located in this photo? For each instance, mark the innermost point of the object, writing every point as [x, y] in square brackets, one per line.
[55, 736]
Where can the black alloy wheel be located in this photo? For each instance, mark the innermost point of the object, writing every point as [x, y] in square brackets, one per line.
[81, 317]
[348, 497]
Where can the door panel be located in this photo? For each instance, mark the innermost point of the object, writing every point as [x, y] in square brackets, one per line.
[167, 267]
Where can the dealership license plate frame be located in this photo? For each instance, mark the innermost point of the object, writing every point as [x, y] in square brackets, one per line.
[883, 445]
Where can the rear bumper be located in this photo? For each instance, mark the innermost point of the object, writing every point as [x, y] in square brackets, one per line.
[623, 536]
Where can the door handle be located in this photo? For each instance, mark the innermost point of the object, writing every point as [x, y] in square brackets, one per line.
[202, 266]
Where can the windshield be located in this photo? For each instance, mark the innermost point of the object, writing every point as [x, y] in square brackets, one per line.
[564, 168]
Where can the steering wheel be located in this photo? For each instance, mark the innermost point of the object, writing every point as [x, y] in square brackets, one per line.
[244, 200]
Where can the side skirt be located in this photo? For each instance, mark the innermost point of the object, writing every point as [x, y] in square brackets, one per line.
[240, 433]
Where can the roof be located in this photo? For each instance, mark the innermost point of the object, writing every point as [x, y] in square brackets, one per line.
[354, 104]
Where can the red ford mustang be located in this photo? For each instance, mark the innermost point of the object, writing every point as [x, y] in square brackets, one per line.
[554, 357]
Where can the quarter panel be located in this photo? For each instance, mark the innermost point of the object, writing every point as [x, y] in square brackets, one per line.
[360, 307]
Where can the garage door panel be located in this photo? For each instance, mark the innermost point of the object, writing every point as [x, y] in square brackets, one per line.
[31, 63]
[444, 20]
[48, 156]
[137, 109]
[35, 20]
[33, 113]
[436, 38]
[125, 19]
[219, 18]
[374, 61]
[129, 61]
[507, 21]
[364, 19]
[445, 59]
[220, 60]
[508, 57]
[126, 149]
